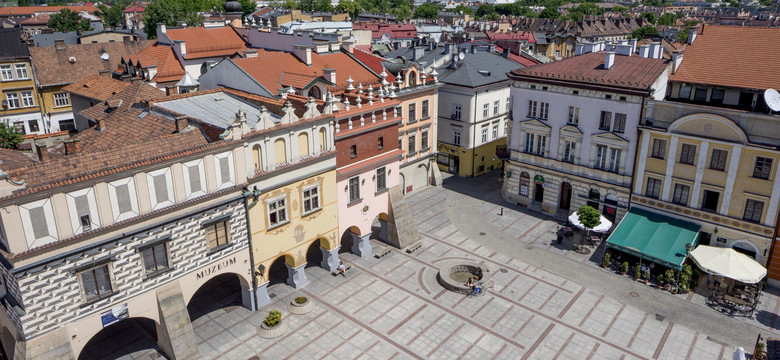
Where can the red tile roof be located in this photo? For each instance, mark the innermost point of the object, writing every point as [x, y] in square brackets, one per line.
[732, 56]
[97, 87]
[627, 72]
[372, 61]
[212, 42]
[13, 159]
[519, 58]
[527, 36]
[168, 67]
[136, 8]
[42, 19]
[396, 31]
[32, 10]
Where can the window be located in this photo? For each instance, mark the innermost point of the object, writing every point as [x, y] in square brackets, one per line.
[485, 110]
[762, 168]
[495, 132]
[381, 179]
[13, 100]
[217, 234]
[687, 154]
[484, 134]
[27, 99]
[685, 92]
[412, 113]
[700, 94]
[160, 188]
[61, 99]
[532, 108]
[96, 283]
[456, 137]
[606, 120]
[401, 143]
[311, 199]
[155, 258]
[21, 71]
[653, 188]
[525, 182]
[354, 189]
[353, 151]
[33, 125]
[710, 200]
[718, 160]
[569, 148]
[620, 123]
[601, 157]
[6, 72]
[456, 111]
[753, 210]
[380, 143]
[543, 110]
[424, 112]
[508, 104]
[412, 144]
[614, 160]
[574, 115]
[277, 211]
[424, 140]
[659, 149]
[717, 96]
[680, 195]
[608, 96]
[535, 144]
[496, 105]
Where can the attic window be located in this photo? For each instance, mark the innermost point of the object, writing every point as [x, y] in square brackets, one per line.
[484, 72]
[622, 98]
[544, 88]
[575, 92]
[533, 86]
[608, 97]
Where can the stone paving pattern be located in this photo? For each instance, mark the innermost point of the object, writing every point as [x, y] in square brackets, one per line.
[393, 308]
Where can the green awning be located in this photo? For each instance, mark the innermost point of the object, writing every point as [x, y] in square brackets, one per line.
[654, 237]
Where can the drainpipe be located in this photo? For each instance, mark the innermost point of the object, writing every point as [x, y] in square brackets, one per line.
[247, 194]
[474, 144]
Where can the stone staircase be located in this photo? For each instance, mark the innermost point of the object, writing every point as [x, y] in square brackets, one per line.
[402, 231]
[562, 215]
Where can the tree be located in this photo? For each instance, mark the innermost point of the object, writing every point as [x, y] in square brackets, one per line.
[589, 217]
[667, 19]
[403, 11]
[112, 16]
[170, 12]
[9, 136]
[465, 9]
[619, 9]
[349, 6]
[319, 5]
[247, 6]
[485, 9]
[68, 20]
[652, 2]
[23, 3]
[550, 13]
[682, 36]
[644, 30]
[427, 11]
[650, 17]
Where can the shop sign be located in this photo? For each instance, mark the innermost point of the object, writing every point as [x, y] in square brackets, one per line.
[215, 268]
[116, 314]
[539, 179]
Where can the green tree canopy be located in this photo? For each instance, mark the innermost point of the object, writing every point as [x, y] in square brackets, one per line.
[667, 19]
[9, 136]
[465, 9]
[589, 217]
[619, 9]
[349, 6]
[485, 9]
[652, 2]
[427, 11]
[550, 13]
[248, 6]
[112, 16]
[403, 11]
[23, 3]
[644, 30]
[68, 20]
[170, 12]
[650, 17]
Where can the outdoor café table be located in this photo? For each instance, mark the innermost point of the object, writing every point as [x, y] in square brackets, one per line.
[735, 300]
[594, 240]
[567, 231]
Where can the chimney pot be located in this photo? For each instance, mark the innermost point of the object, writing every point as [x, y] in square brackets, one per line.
[59, 44]
[101, 125]
[72, 147]
[181, 123]
[43, 154]
[609, 59]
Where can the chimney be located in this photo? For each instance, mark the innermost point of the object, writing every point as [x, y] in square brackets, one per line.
[691, 36]
[101, 125]
[492, 48]
[171, 90]
[644, 51]
[656, 50]
[303, 53]
[72, 147]
[633, 46]
[126, 39]
[348, 46]
[623, 49]
[609, 59]
[418, 53]
[677, 58]
[59, 44]
[161, 29]
[181, 46]
[43, 154]
[250, 53]
[181, 123]
[506, 53]
[329, 74]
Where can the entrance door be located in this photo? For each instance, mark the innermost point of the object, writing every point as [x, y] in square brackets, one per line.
[539, 193]
[565, 203]
[455, 164]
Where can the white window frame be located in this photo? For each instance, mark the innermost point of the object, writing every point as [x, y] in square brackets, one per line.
[304, 199]
[218, 170]
[544, 110]
[496, 106]
[569, 151]
[27, 101]
[75, 219]
[574, 115]
[156, 204]
[62, 100]
[495, 132]
[535, 143]
[456, 134]
[350, 200]
[48, 212]
[189, 194]
[424, 139]
[602, 155]
[13, 100]
[268, 211]
[23, 68]
[6, 72]
[457, 111]
[381, 173]
[130, 182]
[484, 134]
[485, 110]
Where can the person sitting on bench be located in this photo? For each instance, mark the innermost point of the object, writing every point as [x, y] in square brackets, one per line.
[341, 269]
[469, 283]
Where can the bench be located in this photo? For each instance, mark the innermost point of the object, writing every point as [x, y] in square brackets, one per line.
[414, 247]
[347, 266]
[382, 252]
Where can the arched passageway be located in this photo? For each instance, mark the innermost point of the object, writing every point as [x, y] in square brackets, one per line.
[219, 292]
[128, 338]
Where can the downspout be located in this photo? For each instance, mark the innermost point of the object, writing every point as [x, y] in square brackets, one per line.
[474, 144]
[41, 105]
[247, 194]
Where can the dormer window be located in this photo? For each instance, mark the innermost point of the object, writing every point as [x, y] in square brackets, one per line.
[85, 224]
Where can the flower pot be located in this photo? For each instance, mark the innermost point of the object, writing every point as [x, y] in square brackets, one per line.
[300, 309]
[270, 332]
[645, 281]
[622, 273]
[667, 287]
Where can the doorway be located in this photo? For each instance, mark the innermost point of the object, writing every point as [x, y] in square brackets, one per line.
[710, 201]
[539, 192]
[455, 164]
[565, 202]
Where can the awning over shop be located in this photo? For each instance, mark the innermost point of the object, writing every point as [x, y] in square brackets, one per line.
[654, 237]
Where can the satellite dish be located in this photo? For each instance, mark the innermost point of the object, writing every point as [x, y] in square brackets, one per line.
[104, 57]
[461, 56]
[772, 99]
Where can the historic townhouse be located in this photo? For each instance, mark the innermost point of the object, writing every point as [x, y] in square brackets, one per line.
[21, 106]
[573, 137]
[709, 153]
[131, 222]
[199, 48]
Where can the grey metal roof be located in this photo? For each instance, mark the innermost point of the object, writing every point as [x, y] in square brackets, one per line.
[429, 56]
[477, 69]
[11, 45]
[218, 109]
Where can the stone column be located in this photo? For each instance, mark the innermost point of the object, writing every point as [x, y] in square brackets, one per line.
[175, 335]
[330, 258]
[297, 277]
[360, 245]
[246, 298]
[261, 296]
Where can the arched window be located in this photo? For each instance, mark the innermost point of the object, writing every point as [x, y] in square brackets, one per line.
[280, 151]
[593, 198]
[256, 157]
[412, 78]
[525, 181]
[303, 144]
[315, 93]
[322, 139]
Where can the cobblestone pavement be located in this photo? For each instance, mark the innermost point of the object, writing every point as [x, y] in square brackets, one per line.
[393, 307]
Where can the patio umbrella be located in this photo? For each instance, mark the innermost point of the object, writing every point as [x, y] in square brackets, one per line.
[729, 263]
[574, 219]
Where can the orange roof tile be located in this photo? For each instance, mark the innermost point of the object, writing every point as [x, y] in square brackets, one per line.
[372, 61]
[97, 87]
[31, 10]
[213, 42]
[168, 67]
[732, 56]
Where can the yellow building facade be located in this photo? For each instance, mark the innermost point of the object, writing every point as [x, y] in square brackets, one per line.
[56, 108]
[20, 101]
[708, 165]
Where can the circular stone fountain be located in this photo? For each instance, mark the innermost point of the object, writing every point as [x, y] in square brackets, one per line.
[454, 273]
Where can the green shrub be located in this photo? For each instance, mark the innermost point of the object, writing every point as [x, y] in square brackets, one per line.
[301, 300]
[605, 262]
[669, 276]
[638, 270]
[624, 266]
[273, 318]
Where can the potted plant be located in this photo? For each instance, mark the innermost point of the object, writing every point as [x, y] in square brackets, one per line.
[624, 268]
[638, 271]
[300, 305]
[647, 275]
[669, 277]
[273, 319]
[661, 281]
[605, 261]
[272, 326]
